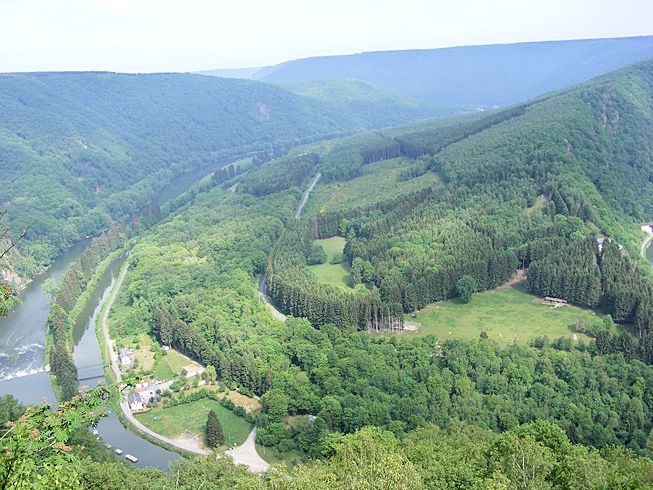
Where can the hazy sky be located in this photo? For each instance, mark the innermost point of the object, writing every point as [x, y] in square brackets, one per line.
[175, 35]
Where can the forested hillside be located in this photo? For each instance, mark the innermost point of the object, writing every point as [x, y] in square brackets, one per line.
[364, 99]
[471, 76]
[80, 150]
[424, 212]
[532, 185]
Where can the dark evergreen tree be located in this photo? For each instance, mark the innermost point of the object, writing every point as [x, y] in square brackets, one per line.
[214, 434]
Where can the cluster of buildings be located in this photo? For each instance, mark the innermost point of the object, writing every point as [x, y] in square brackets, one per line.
[144, 393]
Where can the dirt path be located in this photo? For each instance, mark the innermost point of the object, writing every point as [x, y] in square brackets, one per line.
[261, 285]
[246, 455]
[116, 371]
[298, 213]
[518, 277]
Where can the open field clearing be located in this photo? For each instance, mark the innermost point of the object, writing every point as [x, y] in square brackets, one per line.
[506, 315]
[189, 420]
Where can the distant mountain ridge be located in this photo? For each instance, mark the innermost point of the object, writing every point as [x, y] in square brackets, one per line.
[472, 76]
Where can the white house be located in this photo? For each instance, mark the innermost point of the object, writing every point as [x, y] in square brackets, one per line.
[135, 402]
[126, 357]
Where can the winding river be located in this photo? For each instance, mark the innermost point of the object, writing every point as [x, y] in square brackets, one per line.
[23, 332]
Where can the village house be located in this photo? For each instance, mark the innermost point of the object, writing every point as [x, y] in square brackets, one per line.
[135, 402]
[126, 357]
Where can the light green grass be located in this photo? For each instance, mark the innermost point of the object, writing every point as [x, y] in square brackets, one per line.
[506, 315]
[332, 246]
[273, 456]
[170, 365]
[190, 418]
[334, 274]
[177, 361]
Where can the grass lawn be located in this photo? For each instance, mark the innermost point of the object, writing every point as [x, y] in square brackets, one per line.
[506, 315]
[334, 274]
[274, 457]
[144, 354]
[170, 365]
[190, 418]
[251, 405]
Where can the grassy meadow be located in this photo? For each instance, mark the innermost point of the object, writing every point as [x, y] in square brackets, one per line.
[506, 315]
[190, 419]
[335, 274]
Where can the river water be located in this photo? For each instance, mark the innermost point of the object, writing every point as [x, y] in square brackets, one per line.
[88, 359]
[22, 336]
[23, 332]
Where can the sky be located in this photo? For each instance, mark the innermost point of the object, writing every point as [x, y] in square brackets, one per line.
[190, 35]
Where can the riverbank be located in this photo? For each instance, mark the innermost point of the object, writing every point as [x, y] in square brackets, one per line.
[107, 348]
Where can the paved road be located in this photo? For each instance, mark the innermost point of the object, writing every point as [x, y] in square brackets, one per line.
[261, 285]
[116, 371]
[246, 455]
[264, 297]
[298, 213]
[113, 356]
[648, 229]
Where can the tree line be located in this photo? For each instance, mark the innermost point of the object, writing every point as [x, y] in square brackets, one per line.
[73, 283]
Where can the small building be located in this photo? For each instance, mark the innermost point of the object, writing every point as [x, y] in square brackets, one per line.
[135, 402]
[126, 357]
[601, 243]
[555, 302]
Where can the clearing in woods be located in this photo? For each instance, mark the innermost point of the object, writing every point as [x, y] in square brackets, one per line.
[507, 315]
[377, 182]
[334, 274]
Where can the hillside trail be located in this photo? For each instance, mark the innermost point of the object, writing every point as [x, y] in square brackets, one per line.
[264, 297]
[261, 285]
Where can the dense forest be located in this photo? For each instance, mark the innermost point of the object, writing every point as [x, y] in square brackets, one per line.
[536, 455]
[541, 198]
[477, 220]
[102, 145]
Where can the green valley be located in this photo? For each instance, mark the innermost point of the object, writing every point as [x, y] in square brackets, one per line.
[338, 288]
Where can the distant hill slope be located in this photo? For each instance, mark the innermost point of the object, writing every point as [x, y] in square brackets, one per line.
[472, 76]
[80, 149]
[363, 99]
[232, 72]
